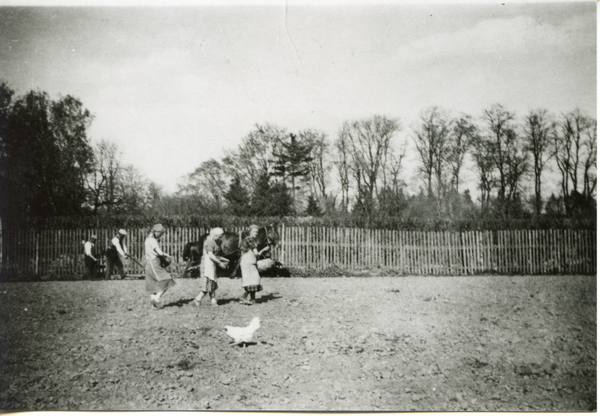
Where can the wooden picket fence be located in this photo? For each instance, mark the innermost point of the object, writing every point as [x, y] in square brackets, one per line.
[442, 253]
[59, 253]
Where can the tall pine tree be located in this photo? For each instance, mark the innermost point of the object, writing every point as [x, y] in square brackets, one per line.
[312, 208]
[237, 198]
[293, 162]
[270, 200]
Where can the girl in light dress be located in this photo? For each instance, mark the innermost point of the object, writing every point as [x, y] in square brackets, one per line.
[210, 261]
[250, 275]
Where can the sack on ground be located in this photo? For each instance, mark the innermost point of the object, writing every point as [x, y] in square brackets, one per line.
[264, 265]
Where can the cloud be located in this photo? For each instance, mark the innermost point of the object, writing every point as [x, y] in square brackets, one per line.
[503, 38]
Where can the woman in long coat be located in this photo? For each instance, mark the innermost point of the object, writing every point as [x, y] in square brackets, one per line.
[158, 279]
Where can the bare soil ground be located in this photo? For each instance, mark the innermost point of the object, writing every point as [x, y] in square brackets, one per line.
[481, 343]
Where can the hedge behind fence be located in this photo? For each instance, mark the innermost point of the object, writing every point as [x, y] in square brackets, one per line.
[545, 222]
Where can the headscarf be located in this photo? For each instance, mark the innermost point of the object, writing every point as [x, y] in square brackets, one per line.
[158, 228]
[254, 229]
[216, 232]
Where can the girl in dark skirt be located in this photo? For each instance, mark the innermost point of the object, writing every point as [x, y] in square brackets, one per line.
[158, 279]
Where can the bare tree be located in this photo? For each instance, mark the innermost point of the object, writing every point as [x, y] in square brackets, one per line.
[590, 163]
[392, 169]
[431, 138]
[102, 182]
[485, 169]
[319, 167]
[342, 164]
[461, 138]
[208, 180]
[562, 149]
[538, 142]
[114, 187]
[500, 133]
[574, 147]
[133, 191]
[368, 142]
[254, 157]
[155, 198]
[507, 154]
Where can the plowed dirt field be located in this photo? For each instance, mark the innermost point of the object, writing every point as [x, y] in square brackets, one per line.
[478, 343]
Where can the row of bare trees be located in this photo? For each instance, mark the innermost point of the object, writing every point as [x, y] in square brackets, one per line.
[49, 167]
[114, 187]
[362, 170]
[509, 155]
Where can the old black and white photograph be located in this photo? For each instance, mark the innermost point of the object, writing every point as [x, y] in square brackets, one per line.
[298, 206]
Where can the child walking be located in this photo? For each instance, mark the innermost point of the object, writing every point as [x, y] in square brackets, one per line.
[158, 279]
[250, 276]
[210, 261]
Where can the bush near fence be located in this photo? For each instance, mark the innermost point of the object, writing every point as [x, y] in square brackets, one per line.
[58, 254]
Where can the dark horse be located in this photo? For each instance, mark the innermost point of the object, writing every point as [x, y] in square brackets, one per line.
[230, 247]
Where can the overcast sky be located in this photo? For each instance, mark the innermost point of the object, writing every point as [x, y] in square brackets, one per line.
[175, 86]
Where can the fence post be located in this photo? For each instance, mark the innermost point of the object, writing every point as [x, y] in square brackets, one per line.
[37, 253]
[282, 246]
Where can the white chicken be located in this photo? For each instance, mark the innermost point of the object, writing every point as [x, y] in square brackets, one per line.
[245, 334]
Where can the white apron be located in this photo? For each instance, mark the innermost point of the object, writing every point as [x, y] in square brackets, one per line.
[210, 268]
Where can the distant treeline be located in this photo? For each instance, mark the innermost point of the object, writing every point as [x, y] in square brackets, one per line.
[52, 176]
[347, 221]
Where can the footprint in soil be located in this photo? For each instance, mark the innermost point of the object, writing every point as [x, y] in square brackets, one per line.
[244, 344]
